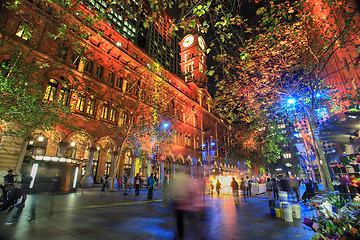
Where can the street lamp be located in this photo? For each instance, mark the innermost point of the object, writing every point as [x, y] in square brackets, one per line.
[208, 155]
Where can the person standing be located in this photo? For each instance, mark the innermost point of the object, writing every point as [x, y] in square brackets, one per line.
[55, 183]
[212, 188]
[235, 190]
[137, 184]
[268, 189]
[218, 186]
[103, 181]
[125, 180]
[151, 186]
[275, 188]
[248, 188]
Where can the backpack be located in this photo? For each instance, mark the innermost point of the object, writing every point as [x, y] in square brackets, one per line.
[242, 185]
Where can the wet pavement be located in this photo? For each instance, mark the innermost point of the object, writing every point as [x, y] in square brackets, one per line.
[91, 215]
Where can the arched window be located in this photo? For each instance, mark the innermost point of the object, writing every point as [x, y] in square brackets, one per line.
[105, 110]
[51, 90]
[64, 95]
[90, 108]
[113, 114]
[185, 57]
[80, 105]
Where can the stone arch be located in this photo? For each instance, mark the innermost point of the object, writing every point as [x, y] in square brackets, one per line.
[179, 164]
[103, 156]
[169, 161]
[77, 144]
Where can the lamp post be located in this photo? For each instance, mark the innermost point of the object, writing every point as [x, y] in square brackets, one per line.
[208, 155]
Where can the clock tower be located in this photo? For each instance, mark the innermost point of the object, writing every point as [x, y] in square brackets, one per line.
[193, 59]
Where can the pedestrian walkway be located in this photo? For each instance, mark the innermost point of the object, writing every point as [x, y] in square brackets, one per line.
[111, 215]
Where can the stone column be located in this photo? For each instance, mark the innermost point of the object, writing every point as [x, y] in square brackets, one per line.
[87, 180]
[148, 168]
[162, 165]
[173, 168]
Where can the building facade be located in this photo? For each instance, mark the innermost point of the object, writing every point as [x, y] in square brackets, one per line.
[94, 78]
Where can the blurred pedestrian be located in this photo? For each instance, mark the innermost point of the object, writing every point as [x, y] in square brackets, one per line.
[55, 183]
[183, 194]
[103, 181]
[165, 192]
[248, 188]
[284, 184]
[295, 184]
[125, 180]
[25, 187]
[212, 188]
[275, 188]
[218, 186]
[243, 186]
[268, 189]
[137, 184]
[151, 182]
[235, 190]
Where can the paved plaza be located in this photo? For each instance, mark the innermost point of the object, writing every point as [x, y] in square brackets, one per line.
[91, 215]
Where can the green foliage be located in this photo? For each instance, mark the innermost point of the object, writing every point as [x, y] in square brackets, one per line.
[21, 97]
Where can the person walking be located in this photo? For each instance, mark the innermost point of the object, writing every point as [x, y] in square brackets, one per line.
[243, 186]
[218, 186]
[275, 188]
[268, 189]
[295, 184]
[103, 181]
[212, 188]
[125, 180]
[248, 188]
[137, 184]
[165, 188]
[151, 186]
[25, 187]
[235, 190]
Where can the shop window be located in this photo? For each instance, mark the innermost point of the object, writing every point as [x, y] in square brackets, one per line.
[90, 107]
[99, 71]
[51, 90]
[105, 111]
[24, 31]
[64, 95]
[80, 105]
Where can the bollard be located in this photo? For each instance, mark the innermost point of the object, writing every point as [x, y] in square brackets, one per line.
[287, 212]
[296, 211]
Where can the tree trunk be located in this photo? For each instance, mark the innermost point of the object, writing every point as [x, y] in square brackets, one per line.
[323, 168]
[116, 169]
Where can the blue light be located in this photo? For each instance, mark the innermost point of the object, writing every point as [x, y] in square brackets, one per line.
[204, 145]
[166, 125]
[291, 101]
[318, 95]
[212, 144]
[296, 135]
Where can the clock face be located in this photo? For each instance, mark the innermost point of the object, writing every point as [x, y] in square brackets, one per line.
[201, 43]
[188, 40]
